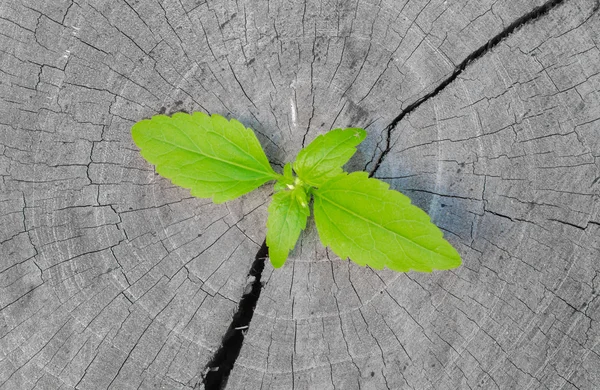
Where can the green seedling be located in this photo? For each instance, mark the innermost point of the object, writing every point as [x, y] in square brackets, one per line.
[358, 217]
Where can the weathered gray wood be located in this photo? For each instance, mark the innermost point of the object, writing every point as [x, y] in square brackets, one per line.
[110, 277]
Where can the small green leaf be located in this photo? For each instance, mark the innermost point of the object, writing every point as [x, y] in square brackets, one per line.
[286, 180]
[324, 157]
[288, 212]
[361, 218]
[288, 172]
[210, 155]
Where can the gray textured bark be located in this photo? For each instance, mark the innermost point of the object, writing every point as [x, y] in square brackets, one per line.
[111, 277]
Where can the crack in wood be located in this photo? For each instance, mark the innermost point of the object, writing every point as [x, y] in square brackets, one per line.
[529, 17]
[223, 360]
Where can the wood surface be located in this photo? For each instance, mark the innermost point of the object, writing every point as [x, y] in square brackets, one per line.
[485, 113]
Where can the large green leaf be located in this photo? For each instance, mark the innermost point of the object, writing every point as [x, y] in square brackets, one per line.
[288, 212]
[324, 157]
[361, 218]
[213, 157]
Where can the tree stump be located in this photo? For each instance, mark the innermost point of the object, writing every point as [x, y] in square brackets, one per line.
[485, 113]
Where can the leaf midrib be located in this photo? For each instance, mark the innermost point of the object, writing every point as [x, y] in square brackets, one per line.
[222, 136]
[267, 174]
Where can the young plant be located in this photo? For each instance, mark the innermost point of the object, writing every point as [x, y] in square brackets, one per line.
[358, 217]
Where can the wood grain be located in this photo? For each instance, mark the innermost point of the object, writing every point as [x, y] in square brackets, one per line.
[111, 277]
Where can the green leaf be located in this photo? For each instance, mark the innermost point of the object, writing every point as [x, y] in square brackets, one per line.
[361, 218]
[286, 180]
[288, 212]
[210, 155]
[324, 157]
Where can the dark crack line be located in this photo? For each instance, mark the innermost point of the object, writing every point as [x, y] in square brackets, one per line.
[224, 359]
[529, 17]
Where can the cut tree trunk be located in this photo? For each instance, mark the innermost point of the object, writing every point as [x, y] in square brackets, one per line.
[485, 113]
